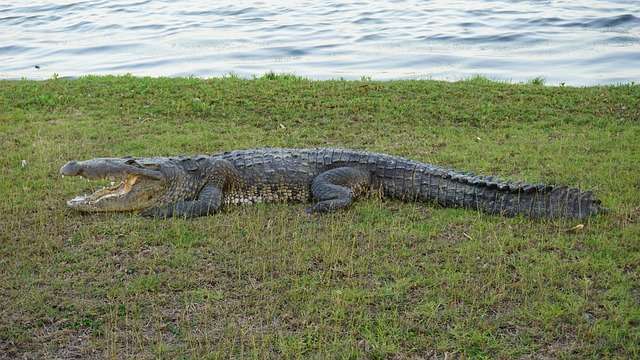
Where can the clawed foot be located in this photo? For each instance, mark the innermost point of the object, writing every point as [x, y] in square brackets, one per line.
[324, 207]
[318, 208]
[158, 212]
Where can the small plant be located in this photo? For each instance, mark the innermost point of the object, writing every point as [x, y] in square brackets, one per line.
[270, 76]
[479, 79]
[275, 76]
[538, 81]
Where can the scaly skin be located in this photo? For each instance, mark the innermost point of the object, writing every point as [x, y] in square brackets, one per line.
[202, 185]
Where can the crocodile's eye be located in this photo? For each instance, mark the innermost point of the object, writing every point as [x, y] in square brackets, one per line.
[151, 166]
[133, 162]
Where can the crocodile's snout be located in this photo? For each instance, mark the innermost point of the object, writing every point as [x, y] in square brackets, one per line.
[72, 168]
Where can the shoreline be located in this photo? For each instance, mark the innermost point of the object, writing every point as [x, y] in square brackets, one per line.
[538, 80]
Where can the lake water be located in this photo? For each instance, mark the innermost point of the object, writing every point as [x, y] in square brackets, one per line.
[577, 42]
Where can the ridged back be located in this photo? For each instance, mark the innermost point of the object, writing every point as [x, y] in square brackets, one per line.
[411, 180]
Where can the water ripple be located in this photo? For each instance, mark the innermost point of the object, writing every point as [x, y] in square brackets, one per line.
[581, 43]
[608, 22]
[14, 49]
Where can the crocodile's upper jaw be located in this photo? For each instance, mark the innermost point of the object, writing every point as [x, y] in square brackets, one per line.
[139, 187]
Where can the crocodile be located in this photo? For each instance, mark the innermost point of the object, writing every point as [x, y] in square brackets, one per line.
[191, 186]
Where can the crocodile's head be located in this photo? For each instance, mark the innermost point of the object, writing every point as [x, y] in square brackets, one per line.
[143, 183]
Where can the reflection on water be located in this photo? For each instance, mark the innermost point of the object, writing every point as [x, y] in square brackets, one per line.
[579, 42]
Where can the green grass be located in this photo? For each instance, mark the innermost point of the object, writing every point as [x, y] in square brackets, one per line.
[382, 280]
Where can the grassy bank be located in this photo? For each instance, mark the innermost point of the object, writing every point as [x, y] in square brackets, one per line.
[382, 279]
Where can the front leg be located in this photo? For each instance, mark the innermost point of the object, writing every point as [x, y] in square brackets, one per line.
[209, 201]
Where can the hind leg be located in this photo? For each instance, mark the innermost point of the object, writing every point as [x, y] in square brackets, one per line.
[336, 188]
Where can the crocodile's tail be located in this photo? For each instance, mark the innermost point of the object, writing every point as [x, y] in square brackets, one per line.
[422, 182]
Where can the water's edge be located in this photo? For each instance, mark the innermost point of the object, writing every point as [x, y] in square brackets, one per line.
[539, 81]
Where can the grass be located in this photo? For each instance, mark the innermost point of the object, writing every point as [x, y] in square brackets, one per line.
[382, 280]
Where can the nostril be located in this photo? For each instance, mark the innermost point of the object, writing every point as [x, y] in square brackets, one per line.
[70, 169]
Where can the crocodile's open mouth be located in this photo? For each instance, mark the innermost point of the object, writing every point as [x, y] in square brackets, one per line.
[139, 186]
[114, 191]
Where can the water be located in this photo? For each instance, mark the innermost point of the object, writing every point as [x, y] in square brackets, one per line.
[577, 42]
